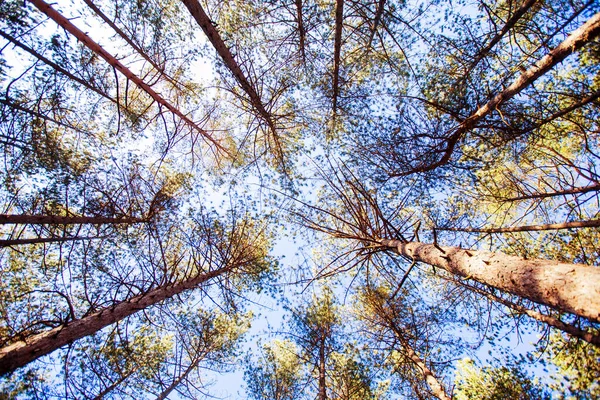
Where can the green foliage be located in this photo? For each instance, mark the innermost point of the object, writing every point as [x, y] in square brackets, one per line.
[495, 383]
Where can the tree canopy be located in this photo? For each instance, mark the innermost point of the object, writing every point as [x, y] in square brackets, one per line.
[410, 186]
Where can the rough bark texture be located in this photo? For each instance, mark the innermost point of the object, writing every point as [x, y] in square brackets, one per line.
[61, 220]
[573, 288]
[97, 49]
[528, 228]
[322, 367]
[584, 34]
[25, 351]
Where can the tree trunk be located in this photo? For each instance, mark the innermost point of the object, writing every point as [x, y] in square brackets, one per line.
[322, 367]
[584, 34]
[339, 22]
[25, 351]
[62, 220]
[529, 228]
[376, 22]
[436, 387]
[573, 288]
[301, 31]
[98, 50]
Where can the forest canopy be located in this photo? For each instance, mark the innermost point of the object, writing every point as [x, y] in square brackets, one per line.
[407, 191]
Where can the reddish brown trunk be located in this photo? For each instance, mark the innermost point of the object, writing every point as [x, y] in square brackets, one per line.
[97, 49]
[376, 22]
[322, 366]
[581, 36]
[25, 351]
[529, 228]
[573, 288]
[61, 220]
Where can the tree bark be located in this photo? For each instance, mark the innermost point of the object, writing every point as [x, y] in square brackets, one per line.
[376, 22]
[577, 39]
[62, 220]
[25, 351]
[529, 228]
[98, 50]
[573, 288]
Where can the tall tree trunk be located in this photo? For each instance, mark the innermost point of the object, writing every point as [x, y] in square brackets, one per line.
[301, 32]
[337, 49]
[376, 22]
[538, 316]
[33, 347]
[98, 50]
[529, 228]
[584, 34]
[180, 378]
[573, 288]
[322, 368]
[62, 220]
[436, 387]
[211, 32]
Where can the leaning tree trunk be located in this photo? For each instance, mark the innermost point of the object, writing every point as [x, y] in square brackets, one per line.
[101, 52]
[33, 347]
[573, 288]
[577, 39]
[529, 228]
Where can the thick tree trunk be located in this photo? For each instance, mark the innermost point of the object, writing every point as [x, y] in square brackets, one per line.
[573, 288]
[61, 220]
[584, 34]
[25, 351]
[98, 50]
[551, 321]
[528, 228]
